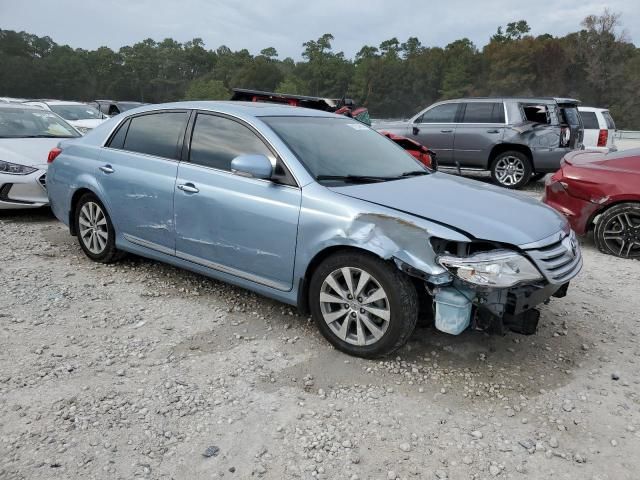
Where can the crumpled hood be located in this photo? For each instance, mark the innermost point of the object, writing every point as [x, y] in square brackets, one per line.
[484, 211]
[27, 151]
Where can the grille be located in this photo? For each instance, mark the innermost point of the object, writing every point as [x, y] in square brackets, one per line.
[559, 262]
[43, 181]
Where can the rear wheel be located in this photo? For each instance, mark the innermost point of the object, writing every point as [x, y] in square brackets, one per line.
[95, 231]
[618, 231]
[511, 169]
[363, 305]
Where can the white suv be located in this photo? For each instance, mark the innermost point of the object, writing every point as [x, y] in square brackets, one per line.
[599, 129]
[82, 116]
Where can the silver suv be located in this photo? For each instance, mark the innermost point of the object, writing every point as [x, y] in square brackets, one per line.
[517, 139]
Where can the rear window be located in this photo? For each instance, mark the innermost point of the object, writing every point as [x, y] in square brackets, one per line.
[483, 112]
[589, 120]
[571, 116]
[607, 118]
[156, 134]
[536, 113]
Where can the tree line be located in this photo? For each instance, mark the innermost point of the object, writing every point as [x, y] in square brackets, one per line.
[596, 64]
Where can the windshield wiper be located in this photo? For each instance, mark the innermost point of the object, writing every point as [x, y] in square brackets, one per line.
[47, 136]
[355, 178]
[414, 173]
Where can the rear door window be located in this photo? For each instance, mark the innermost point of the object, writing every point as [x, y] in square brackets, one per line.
[589, 120]
[610, 123]
[570, 116]
[117, 141]
[536, 113]
[157, 134]
[483, 112]
[445, 113]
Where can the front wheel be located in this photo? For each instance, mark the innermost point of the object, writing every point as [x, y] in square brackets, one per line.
[511, 169]
[618, 231]
[96, 235]
[364, 306]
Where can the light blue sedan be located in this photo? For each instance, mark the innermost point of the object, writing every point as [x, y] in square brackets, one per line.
[315, 210]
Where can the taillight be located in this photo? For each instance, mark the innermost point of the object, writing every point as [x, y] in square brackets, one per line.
[603, 136]
[53, 154]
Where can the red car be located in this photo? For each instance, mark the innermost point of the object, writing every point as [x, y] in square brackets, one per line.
[600, 192]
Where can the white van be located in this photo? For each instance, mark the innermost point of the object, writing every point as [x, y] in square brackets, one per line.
[599, 129]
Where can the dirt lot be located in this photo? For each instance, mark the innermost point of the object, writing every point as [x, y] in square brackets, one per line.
[143, 370]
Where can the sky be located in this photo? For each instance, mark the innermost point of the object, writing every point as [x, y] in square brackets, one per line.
[286, 24]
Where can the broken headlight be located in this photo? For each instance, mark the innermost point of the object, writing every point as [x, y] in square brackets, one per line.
[497, 268]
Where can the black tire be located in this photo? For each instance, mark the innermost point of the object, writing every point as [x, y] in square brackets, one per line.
[537, 176]
[501, 175]
[400, 304]
[103, 254]
[621, 221]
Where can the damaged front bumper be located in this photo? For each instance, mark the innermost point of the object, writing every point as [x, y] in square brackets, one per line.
[459, 304]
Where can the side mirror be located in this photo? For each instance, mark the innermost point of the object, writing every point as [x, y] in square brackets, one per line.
[415, 130]
[252, 166]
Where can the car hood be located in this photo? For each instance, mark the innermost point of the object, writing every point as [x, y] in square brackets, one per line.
[89, 123]
[478, 209]
[27, 151]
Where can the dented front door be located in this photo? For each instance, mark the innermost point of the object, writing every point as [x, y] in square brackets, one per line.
[241, 226]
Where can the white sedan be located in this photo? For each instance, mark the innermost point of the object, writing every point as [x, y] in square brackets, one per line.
[27, 135]
[82, 116]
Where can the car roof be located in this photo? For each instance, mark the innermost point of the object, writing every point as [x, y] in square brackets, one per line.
[56, 102]
[249, 109]
[517, 99]
[19, 106]
[592, 109]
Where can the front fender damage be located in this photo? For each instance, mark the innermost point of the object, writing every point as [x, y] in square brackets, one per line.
[400, 240]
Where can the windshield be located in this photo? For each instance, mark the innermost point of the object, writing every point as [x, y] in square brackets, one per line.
[335, 147]
[76, 112]
[30, 123]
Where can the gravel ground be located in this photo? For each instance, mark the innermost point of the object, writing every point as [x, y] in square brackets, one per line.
[143, 370]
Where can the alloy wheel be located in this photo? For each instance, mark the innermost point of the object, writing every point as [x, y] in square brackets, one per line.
[93, 227]
[510, 170]
[622, 234]
[355, 306]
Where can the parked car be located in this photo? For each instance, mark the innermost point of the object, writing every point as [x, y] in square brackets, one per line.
[517, 139]
[27, 134]
[341, 106]
[12, 100]
[316, 210]
[82, 116]
[600, 192]
[114, 107]
[599, 129]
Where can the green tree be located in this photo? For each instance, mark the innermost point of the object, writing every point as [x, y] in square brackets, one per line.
[207, 89]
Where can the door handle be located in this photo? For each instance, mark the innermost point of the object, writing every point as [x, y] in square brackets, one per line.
[447, 130]
[188, 188]
[493, 131]
[107, 169]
